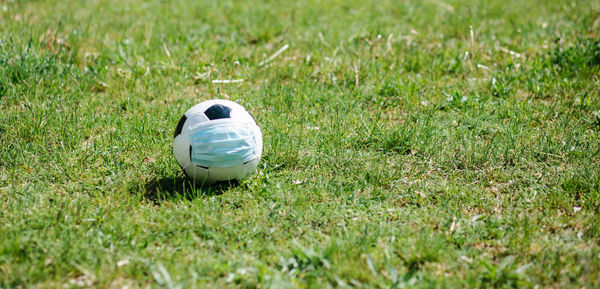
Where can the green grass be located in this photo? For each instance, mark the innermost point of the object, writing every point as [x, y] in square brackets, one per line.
[408, 144]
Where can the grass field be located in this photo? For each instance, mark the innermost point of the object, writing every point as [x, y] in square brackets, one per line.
[408, 144]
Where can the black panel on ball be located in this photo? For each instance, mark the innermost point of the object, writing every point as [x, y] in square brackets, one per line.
[180, 125]
[218, 111]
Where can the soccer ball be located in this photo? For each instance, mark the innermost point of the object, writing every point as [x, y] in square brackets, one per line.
[217, 140]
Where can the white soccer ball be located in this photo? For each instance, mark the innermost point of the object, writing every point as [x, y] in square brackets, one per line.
[217, 140]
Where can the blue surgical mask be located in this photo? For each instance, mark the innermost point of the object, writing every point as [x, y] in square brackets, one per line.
[223, 143]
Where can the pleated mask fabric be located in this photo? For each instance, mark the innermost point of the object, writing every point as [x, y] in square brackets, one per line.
[223, 143]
